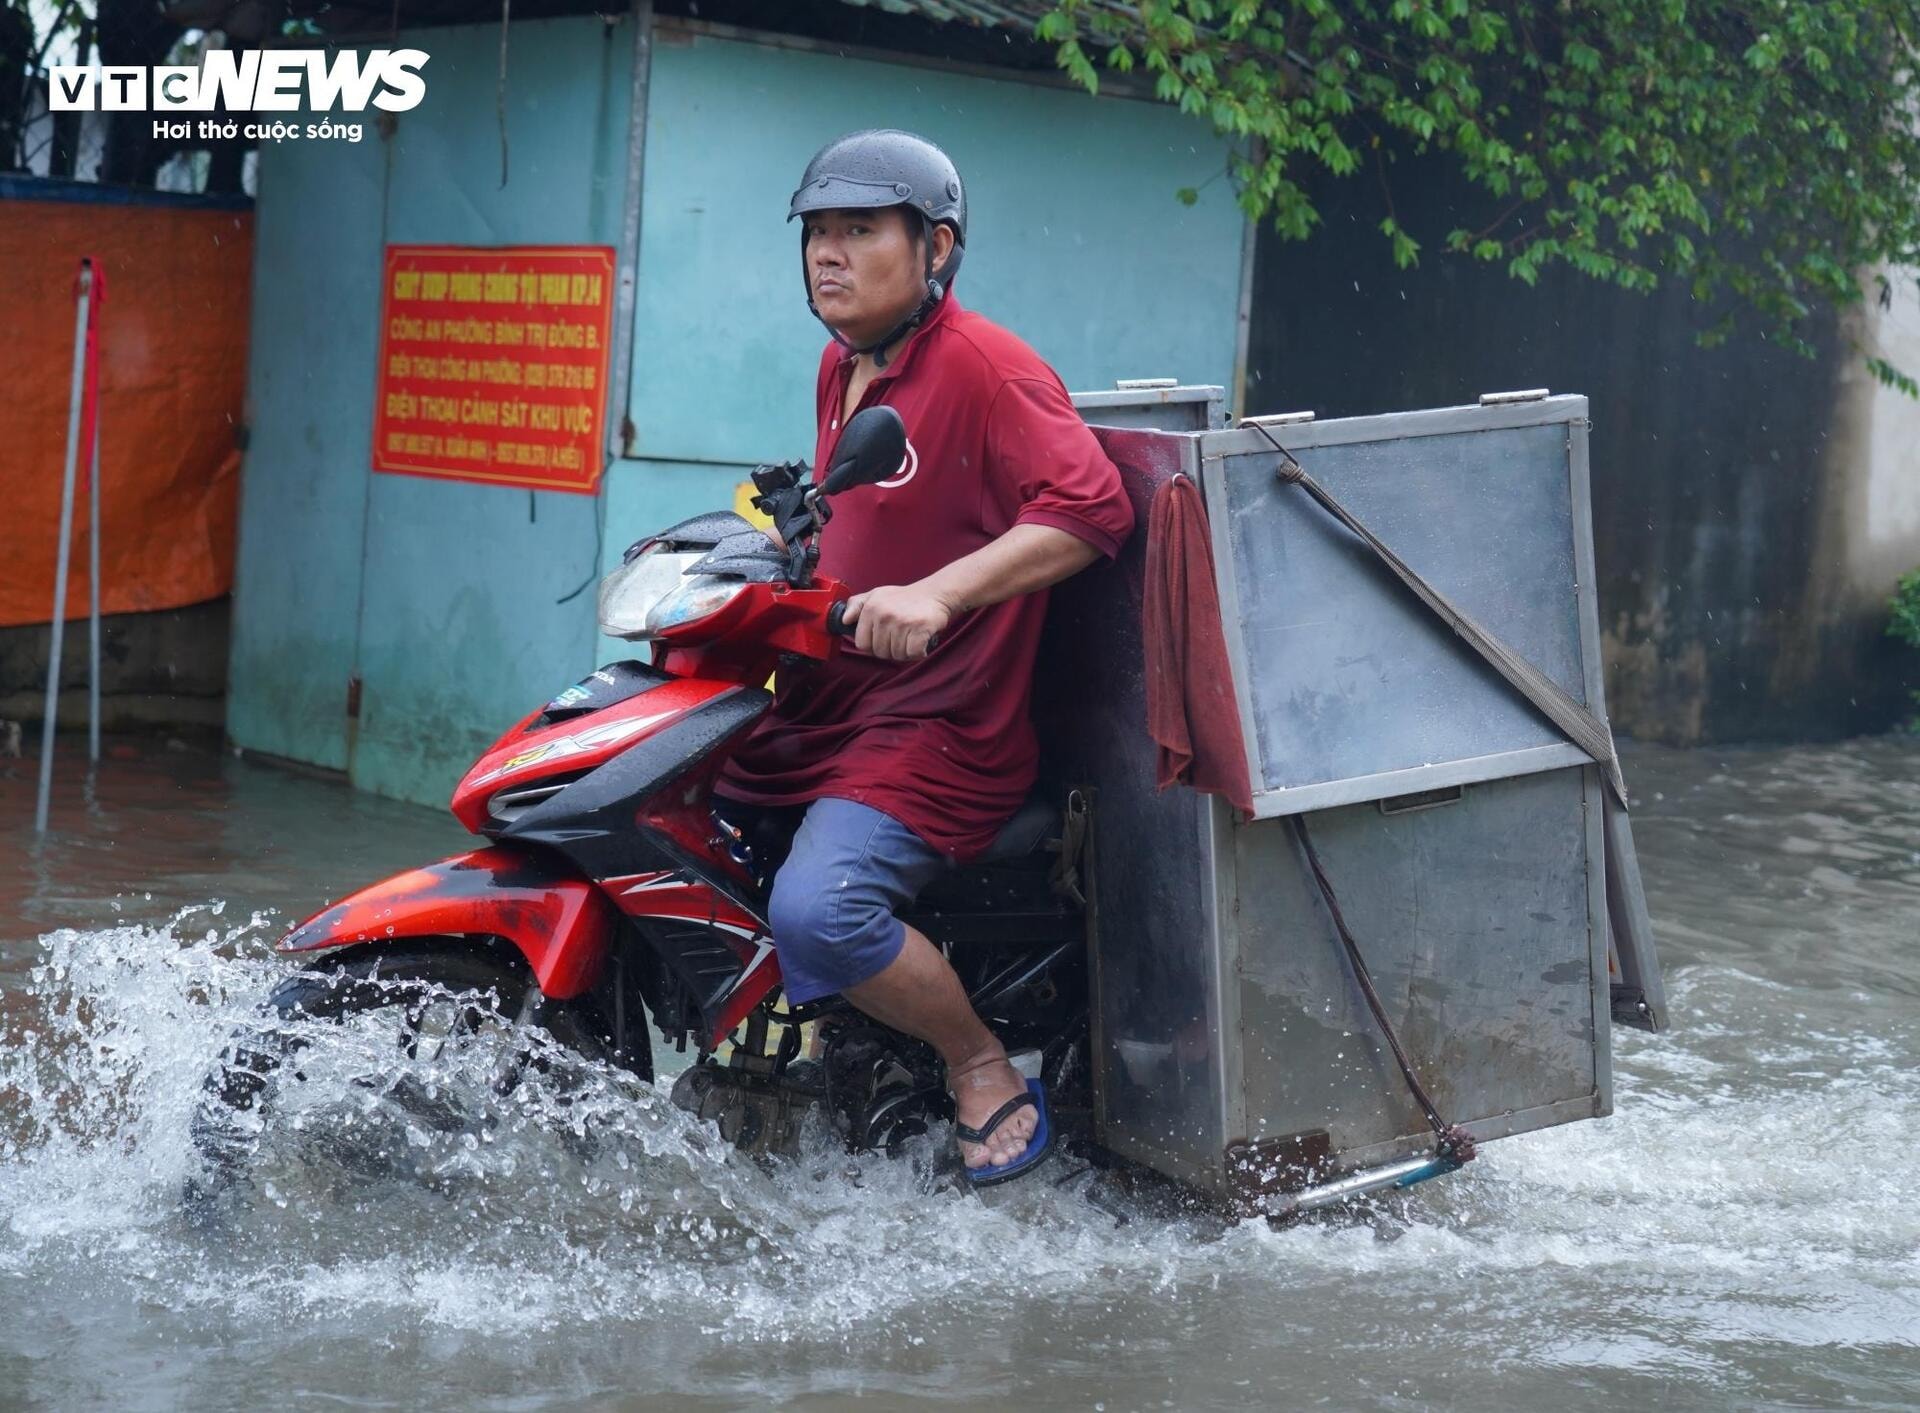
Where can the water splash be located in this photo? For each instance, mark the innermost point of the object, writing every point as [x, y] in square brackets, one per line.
[600, 1200]
[1744, 1230]
[568, 1204]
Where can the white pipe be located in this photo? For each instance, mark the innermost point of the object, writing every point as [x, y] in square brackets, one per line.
[1402, 1174]
[66, 534]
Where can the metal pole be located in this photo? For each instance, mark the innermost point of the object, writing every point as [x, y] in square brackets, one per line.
[93, 594]
[66, 534]
[619, 390]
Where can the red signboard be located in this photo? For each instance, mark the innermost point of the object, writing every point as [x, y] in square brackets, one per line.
[493, 364]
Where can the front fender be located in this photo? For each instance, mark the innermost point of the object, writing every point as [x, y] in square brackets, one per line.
[561, 923]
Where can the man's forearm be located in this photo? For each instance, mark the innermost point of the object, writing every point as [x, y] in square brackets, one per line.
[1025, 559]
[898, 622]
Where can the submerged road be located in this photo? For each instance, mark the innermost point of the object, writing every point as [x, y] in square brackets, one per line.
[1744, 1232]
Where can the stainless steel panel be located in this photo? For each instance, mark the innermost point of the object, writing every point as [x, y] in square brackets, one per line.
[1429, 422]
[1345, 677]
[1585, 576]
[1159, 1075]
[1642, 1000]
[1476, 921]
[1172, 407]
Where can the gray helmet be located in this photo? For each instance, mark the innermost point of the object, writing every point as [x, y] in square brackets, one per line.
[881, 167]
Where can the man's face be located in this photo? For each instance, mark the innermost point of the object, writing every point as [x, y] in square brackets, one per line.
[866, 269]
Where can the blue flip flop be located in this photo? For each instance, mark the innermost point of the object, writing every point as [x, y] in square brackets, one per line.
[1038, 1144]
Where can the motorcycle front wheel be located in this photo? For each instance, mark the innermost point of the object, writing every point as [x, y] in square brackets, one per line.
[434, 1032]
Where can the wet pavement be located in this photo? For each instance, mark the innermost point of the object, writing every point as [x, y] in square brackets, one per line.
[1744, 1232]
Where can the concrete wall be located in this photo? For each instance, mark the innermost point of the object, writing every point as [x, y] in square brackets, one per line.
[460, 631]
[304, 485]
[455, 605]
[164, 668]
[1752, 508]
[1867, 524]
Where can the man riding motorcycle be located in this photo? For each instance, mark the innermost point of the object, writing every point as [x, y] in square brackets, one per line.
[909, 752]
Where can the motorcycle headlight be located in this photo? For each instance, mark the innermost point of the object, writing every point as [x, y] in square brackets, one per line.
[629, 595]
[695, 598]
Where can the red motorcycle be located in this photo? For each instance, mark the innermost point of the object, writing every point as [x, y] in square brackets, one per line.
[612, 891]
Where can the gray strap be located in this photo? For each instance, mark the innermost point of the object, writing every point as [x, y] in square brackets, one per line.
[1581, 726]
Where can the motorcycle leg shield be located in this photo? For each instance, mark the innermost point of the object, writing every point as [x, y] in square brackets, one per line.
[561, 923]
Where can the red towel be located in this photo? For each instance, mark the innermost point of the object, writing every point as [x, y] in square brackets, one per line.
[1191, 710]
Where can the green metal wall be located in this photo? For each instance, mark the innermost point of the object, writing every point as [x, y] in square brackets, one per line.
[439, 595]
[316, 316]
[446, 598]
[1076, 239]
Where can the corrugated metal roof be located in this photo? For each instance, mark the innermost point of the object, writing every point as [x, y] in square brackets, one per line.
[1022, 15]
[353, 16]
[980, 12]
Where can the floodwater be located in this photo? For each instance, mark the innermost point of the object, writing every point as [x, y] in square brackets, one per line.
[1744, 1232]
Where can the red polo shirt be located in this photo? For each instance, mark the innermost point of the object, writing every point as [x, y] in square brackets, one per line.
[943, 744]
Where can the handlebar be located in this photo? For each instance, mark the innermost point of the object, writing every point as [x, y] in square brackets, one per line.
[838, 627]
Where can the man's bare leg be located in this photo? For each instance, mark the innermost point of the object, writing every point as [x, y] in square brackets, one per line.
[919, 993]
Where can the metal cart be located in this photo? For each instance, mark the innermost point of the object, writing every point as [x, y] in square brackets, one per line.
[1480, 859]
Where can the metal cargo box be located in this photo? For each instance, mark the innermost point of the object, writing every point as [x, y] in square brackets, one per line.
[1466, 838]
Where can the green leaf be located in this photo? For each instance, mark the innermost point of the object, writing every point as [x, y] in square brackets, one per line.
[1406, 250]
[1892, 377]
[1904, 619]
[1760, 151]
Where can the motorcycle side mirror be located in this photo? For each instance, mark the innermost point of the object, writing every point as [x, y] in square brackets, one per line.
[871, 449]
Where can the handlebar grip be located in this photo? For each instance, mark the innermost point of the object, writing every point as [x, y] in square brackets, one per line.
[838, 627]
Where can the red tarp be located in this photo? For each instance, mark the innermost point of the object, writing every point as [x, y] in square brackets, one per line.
[173, 383]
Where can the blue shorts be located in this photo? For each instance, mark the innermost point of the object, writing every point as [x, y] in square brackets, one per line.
[834, 899]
